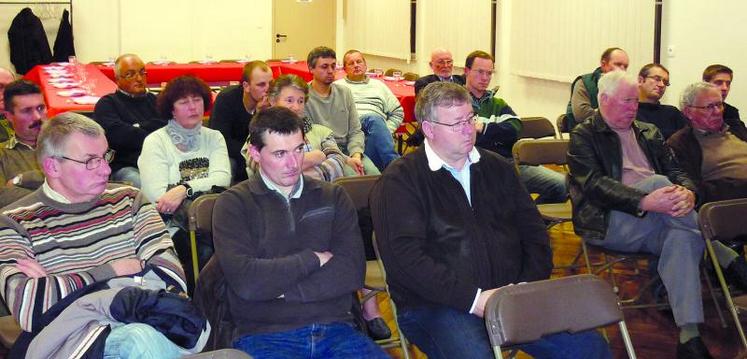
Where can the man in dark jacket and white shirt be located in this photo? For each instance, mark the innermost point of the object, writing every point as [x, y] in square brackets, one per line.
[454, 224]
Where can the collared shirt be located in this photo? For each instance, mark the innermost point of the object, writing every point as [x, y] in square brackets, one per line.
[294, 193]
[478, 101]
[446, 79]
[54, 195]
[131, 95]
[12, 142]
[462, 176]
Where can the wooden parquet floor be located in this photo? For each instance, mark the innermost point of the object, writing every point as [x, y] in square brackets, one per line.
[653, 331]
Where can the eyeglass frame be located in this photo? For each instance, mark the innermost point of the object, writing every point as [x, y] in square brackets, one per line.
[709, 107]
[129, 75]
[658, 79]
[108, 157]
[457, 126]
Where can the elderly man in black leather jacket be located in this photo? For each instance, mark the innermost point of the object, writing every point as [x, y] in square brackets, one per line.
[629, 194]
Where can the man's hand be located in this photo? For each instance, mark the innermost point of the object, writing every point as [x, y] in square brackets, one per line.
[673, 200]
[355, 162]
[313, 158]
[31, 268]
[171, 200]
[127, 266]
[482, 300]
[324, 257]
[684, 201]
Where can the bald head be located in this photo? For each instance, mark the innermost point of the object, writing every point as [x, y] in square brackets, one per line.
[129, 72]
[613, 59]
[441, 62]
[6, 77]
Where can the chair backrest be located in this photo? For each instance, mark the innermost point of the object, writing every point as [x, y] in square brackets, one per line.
[525, 312]
[221, 354]
[358, 188]
[723, 219]
[390, 72]
[540, 152]
[562, 124]
[200, 213]
[536, 127]
[410, 76]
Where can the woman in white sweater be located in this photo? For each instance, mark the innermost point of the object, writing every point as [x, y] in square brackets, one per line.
[183, 158]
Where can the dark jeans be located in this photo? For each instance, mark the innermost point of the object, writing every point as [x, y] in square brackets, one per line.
[443, 332]
[334, 340]
[379, 141]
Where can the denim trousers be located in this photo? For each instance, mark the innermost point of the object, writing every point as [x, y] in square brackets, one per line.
[443, 332]
[379, 141]
[333, 340]
[549, 184]
[137, 340]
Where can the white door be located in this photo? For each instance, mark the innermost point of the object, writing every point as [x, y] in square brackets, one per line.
[301, 25]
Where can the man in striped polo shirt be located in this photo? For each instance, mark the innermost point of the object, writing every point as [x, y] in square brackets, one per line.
[77, 229]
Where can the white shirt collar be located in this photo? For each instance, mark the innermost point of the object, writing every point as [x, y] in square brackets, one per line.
[54, 195]
[294, 193]
[435, 162]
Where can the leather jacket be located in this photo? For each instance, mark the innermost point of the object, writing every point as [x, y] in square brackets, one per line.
[595, 163]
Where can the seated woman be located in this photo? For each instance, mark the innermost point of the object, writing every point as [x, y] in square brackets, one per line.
[183, 159]
[322, 159]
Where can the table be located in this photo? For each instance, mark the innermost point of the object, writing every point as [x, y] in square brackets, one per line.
[57, 104]
[218, 72]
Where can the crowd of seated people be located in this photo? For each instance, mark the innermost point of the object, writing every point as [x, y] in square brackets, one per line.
[91, 206]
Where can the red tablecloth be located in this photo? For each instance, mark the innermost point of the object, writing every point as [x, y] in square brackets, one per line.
[58, 104]
[215, 72]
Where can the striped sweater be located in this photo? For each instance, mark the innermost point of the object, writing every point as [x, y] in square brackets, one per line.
[75, 243]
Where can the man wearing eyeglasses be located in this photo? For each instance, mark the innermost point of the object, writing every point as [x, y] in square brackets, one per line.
[76, 230]
[653, 80]
[453, 225]
[19, 172]
[629, 194]
[128, 115]
[498, 129]
[584, 90]
[442, 64]
[711, 151]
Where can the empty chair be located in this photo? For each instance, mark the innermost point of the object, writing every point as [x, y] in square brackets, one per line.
[562, 124]
[410, 76]
[526, 312]
[536, 127]
[722, 220]
[390, 72]
[199, 220]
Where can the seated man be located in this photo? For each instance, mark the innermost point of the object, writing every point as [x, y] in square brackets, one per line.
[6, 77]
[712, 153]
[653, 80]
[630, 195]
[442, 65]
[454, 224]
[291, 252]
[332, 105]
[378, 109]
[498, 129]
[76, 231]
[128, 116]
[583, 100]
[19, 172]
[235, 106]
[721, 77]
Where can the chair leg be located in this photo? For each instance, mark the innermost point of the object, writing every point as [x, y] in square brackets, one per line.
[713, 296]
[626, 339]
[195, 262]
[727, 294]
[497, 352]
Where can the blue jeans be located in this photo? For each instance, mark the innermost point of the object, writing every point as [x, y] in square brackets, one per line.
[443, 333]
[137, 340]
[131, 175]
[549, 184]
[334, 340]
[379, 141]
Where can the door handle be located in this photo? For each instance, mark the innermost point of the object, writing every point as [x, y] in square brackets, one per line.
[280, 36]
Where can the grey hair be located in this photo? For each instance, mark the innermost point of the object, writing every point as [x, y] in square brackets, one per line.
[118, 62]
[610, 81]
[439, 94]
[692, 91]
[55, 132]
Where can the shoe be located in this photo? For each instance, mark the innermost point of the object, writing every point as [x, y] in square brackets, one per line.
[736, 273]
[693, 349]
[377, 329]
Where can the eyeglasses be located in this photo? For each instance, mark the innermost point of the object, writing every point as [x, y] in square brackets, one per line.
[659, 79]
[445, 62]
[93, 162]
[458, 126]
[710, 106]
[129, 75]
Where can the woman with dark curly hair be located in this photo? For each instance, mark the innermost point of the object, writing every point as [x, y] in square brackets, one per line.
[183, 158]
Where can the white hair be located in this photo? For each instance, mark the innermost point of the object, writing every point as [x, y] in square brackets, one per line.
[692, 91]
[610, 81]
